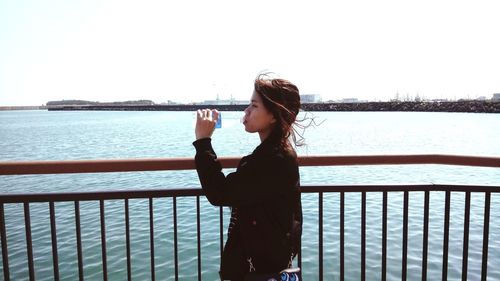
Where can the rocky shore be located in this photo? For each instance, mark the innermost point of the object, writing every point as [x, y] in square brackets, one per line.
[455, 106]
[448, 106]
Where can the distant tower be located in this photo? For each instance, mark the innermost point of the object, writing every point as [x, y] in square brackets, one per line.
[397, 96]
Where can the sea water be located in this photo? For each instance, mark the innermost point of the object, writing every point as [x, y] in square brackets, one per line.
[72, 135]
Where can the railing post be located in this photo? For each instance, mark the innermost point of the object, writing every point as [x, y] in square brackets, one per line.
[79, 240]
[465, 255]
[176, 257]
[446, 235]
[5, 253]
[384, 236]
[320, 235]
[29, 245]
[405, 237]
[103, 241]
[198, 235]
[486, 229]
[152, 238]
[342, 202]
[363, 236]
[53, 232]
[425, 236]
[127, 240]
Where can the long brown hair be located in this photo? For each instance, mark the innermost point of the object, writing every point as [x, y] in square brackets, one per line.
[282, 99]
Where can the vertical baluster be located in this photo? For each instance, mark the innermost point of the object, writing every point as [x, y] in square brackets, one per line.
[384, 236]
[486, 228]
[79, 241]
[465, 254]
[405, 237]
[5, 253]
[363, 236]
[176, 257]
[127, 240]
[53, 232]
[29, 245]
[425, 236]
[320, 233]
[446, 235]
[221, 234]
[151, 239]
[198, 235]
[103, 241]
[342, 199]
[299, 254]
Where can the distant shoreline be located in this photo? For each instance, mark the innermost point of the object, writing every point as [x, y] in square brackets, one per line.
[25, 107]
[454, 106]
[442, 106]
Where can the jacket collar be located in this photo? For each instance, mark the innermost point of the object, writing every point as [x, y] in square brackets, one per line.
[267, 146]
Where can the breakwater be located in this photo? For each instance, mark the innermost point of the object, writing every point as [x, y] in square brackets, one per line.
[447, 106]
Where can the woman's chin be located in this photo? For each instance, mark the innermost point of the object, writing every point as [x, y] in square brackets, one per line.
[249, 130]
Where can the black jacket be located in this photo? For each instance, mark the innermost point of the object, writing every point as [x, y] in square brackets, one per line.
[266, 214]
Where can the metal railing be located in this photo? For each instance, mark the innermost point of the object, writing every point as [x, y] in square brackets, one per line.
[93, 166]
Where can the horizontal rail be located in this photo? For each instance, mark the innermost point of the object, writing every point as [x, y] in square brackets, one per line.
[181, 192]
[134, 165]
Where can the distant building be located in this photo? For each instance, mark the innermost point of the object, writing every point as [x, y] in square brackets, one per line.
[310, 98]
[169, 102]
[349, 100]
[224, 102]
[240, 102]
[496, 97]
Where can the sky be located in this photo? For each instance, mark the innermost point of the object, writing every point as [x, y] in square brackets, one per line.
[193, 50]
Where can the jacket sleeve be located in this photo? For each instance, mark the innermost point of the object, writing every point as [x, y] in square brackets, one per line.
[251, 184]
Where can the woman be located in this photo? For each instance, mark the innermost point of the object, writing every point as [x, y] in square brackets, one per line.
[264, 193]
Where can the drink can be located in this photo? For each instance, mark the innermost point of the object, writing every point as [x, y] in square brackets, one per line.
[219, 122]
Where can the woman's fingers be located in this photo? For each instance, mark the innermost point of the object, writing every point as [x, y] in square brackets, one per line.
[204, 114]
[205, 122]
[215, 115]
[208, 114]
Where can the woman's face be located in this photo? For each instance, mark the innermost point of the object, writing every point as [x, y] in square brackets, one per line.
[258, 118]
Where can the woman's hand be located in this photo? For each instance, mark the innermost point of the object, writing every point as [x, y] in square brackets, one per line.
[205, 123]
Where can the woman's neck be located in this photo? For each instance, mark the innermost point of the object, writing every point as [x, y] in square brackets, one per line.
[264, 135]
